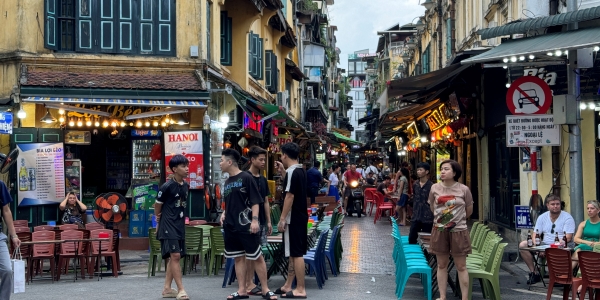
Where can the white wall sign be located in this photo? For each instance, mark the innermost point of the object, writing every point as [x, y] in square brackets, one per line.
[41, 174]
[531, 130]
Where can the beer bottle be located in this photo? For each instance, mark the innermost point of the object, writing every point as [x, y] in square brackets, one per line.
[529, 240]
[564, 240]
[538, 241]
[556, 239]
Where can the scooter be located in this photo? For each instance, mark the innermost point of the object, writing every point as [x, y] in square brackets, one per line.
[356, 199]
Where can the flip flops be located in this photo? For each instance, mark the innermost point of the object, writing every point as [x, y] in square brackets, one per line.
[290, 295]
[171, 294]
[256, 291]
[269, 296]
[236, 296]
[278, 291]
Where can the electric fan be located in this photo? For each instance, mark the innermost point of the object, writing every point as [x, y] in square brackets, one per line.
[6, 161]
[110, 208]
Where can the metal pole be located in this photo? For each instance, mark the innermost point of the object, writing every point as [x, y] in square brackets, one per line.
[534, 181]
[575, 163]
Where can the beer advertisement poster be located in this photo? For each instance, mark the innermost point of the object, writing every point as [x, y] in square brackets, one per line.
[41, 173]
[189, 144]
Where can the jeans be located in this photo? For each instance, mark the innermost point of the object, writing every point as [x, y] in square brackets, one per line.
[415, 228]
[6, 278]
[312, 193]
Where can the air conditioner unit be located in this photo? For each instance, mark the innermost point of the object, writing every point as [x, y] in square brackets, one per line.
[310, 93]
[308, 126]
[282, 101]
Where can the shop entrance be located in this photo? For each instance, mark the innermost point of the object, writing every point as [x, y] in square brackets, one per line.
[504, 178]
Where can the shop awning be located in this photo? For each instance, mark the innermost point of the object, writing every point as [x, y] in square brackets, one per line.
[415, 84]
[395, 120]
[344, 139]
[523, 26]
[274, 112]
[109, 101]
[540, 44]
[367, 119]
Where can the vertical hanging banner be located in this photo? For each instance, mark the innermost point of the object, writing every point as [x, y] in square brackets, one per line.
[41, 174]
[189, 144]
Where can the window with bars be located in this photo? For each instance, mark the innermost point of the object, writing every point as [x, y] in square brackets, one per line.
[255, 56]
[226, 40]
[145, 27]
[426, 57]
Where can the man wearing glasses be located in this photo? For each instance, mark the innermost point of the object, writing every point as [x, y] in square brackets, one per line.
[548, 225]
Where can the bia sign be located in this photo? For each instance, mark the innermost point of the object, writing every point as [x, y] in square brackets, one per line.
[182, 137]
[548, 77]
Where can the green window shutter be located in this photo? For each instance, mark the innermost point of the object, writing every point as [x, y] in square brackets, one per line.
[260, 55]
[268, 71]
[163, 28]
[50, 36]
[275, 74]
[449, 38]
[125, 27]
[225, 39]
[251, 54]
[107, 36]
[146, 27]
[85, 30]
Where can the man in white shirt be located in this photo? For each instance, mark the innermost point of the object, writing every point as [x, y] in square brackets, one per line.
[548, 225]
[373, 169]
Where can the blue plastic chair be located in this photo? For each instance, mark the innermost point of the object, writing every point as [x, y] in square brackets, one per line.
[330, 251]
[405, 268]
[316, 260]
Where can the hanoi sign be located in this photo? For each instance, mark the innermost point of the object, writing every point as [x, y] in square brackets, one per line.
[528, 95]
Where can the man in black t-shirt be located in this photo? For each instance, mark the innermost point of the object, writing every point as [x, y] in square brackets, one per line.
[240, 218]
[169, 211]
[293, 219]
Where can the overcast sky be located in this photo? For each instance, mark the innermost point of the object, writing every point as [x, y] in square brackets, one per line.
[359, 21]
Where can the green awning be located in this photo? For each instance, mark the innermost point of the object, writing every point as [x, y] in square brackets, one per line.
[523, 26]
[541, 44]
[343, 138]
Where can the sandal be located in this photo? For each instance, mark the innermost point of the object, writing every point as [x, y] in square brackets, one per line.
[236, 296]
[256, 291]
[290, 295]
[279, 291]
[171, 294]
[182, 296]
[269, 296]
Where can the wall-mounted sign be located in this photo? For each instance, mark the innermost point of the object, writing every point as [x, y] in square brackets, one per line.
[145, 132]
[189, 144]
[116, 111]
[412, 132]
[76, 137]
[255, 125]
[531, 130]
[6, 123]
[41, 174]
[528, 95]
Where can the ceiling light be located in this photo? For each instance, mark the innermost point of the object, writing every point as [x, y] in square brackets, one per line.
[105, 124]
[48, 118]
[114, 124]
[163, 124]
[181, 120]
[21, 114]
[156, 113]
[147, 123]
[531, 56]
[549, 54]
[582, 106]
[79, 122]
[513, 59]
[138, 124]
[522, 57]
[505, 67]
[79, 109]
[88, 122]
[558, 53]
[61, 119]
[224, 118]
[596, 48]
[123, 124]
[505, 60]
[155, 123]
[423, 140]
[97, 123]
[508, 84]
[61, 111]
[71, 122]
[592, 105]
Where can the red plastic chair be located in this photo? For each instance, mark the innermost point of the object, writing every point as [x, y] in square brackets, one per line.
[382, 206]
[94, 226]
[107, 249]
[369, 198]
[590, 273]
[561, 272]
[22, 229]
[43, 228]
[68, 227]
[70, 250]
[42, 251]
[21, 223]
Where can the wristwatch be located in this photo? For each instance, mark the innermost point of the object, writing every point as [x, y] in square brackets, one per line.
[14, 236]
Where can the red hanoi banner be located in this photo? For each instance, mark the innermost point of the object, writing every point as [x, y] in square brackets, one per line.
[189, 144]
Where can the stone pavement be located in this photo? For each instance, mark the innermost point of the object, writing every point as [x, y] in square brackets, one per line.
[367, 257]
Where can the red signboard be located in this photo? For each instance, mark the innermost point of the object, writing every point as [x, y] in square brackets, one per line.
[529, 95]
[250, 124]
[189, 144]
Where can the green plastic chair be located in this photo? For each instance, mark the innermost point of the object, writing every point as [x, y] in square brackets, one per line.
[217, 250]
[491, 239]
[204, 256]
[477, 243]
[474, 230]
[490, 275]
[155, 252]
[193, 247]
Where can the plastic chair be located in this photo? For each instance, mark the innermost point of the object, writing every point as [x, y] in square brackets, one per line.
[198, 222]
[204, 259]
[25, 250]
[155, 252]
[43, 228]
[474, 229]
[21, 223]
[22, 229]
[316, 260]
[408, 264]
[590, 273]
[107, 249]
[94, 226]
[85, 250]
[491, 274]
[561, 272]
[193, 247]
[370, 199]
[68, 227]
[70, 250]
[42, 251]
[381, 207]
[217, 249]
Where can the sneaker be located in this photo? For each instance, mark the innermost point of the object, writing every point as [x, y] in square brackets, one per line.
[534, 278]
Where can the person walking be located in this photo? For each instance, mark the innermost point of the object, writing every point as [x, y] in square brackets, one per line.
[169, 209]
[240, 219]
[422, 219]
[6, 273]
[293, 220]
[451, 203]
[258, 159]
[314, 179]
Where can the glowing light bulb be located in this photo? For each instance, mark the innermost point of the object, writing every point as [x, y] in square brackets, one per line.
[88, 123]
[522, 57]
[582, 106]
[97, 123]
[61, 119]
[147, 124]
[123, 124]
[531, 56]
[549, 54]
[138, 124]
[596, 48]
[513, 59]
[558, 53]
[61, 111]
[79, 123]
[71, 123]
[155, 123]
[505, 60]
[592, 105]
[505, 67]
[105, 124]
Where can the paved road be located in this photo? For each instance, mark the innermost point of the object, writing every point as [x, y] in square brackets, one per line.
[367, 256]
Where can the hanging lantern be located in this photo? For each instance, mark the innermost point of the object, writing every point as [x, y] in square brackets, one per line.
[243, 142]
[245, 150]
[227, 144]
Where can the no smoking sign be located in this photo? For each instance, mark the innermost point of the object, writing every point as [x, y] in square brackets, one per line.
[528, 95]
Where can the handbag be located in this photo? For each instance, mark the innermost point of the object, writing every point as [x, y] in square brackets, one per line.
[18, 268]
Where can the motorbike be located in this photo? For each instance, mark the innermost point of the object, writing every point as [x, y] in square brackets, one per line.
[356, 199]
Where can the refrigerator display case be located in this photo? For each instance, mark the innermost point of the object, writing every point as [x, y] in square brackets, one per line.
[73, 176]
[144, 167]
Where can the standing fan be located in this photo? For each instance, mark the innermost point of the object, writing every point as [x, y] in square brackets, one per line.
[6, 161]
[110, 208]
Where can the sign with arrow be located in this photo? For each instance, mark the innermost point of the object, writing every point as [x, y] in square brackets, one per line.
[529, 95]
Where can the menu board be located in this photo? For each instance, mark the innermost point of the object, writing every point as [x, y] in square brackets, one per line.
[41, 174]
[189, 144]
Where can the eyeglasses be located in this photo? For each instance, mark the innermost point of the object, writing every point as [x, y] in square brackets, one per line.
[553, 226]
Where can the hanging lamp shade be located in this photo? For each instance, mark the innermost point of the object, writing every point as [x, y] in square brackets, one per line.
[48, 118]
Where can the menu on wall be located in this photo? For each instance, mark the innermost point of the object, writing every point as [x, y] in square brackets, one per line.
[41, 174]
[189, 144]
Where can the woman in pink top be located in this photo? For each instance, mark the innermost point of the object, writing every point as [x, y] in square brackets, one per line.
[451, 203]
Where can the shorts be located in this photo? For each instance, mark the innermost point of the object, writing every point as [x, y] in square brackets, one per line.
[295, 241]
[242, 244]
[172, 246]
[263, 235]
[447, 242]
[403, 200]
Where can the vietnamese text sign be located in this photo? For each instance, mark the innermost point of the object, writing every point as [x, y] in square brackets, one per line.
[531, 130]
[41, 174]
[523, 217]
[6, 123]
[189, 144]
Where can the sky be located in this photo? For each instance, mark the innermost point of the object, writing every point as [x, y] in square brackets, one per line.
[359, 21]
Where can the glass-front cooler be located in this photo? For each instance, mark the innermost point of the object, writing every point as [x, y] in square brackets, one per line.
[147, 154]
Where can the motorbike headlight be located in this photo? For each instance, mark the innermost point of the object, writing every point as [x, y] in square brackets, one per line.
[354, 183]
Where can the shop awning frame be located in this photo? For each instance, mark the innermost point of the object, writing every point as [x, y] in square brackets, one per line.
[421, 83]
[113, 101]
[541, 44]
